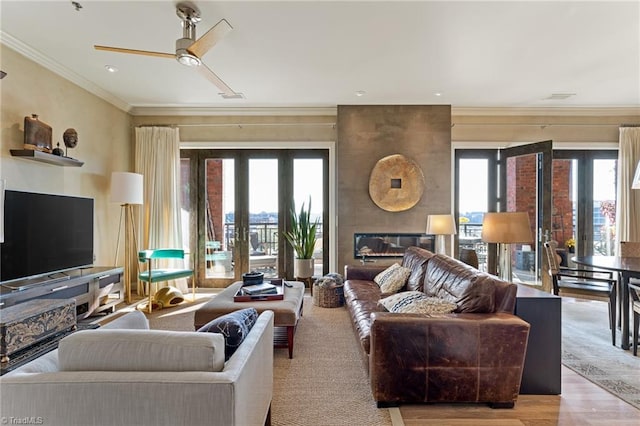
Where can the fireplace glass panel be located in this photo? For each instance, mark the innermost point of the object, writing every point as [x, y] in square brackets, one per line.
[389, 245]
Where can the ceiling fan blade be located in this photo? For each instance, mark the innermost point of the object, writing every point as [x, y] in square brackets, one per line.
[212, 77]
[135, 52]
[210, 38]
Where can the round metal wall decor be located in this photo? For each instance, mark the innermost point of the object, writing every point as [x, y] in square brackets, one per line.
[396, 183]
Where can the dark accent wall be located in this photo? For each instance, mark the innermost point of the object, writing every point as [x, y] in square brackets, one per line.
[367, 133]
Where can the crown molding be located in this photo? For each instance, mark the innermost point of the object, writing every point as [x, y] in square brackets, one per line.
[232, 111]
[332, 111]
[546, 111]
[61, 70]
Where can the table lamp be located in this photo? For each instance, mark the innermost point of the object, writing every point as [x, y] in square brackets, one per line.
[635, 184]
[127, 189]
[506, 228]
[441, 225]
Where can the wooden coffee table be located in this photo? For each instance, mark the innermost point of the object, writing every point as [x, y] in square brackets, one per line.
[287, 311]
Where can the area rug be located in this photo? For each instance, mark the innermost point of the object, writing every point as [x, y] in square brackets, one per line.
[587, 350]
[324, 384]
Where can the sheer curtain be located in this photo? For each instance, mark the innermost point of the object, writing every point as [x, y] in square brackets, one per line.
[628, 203]
[157, 158]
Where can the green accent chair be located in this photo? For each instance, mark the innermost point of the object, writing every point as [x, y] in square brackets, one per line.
[154, 274]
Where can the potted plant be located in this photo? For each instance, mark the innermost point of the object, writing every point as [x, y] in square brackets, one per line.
[302, 237]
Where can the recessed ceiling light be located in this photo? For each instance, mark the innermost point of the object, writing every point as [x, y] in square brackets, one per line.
[437, 94]
[111, 68]
[360, 93]
[232, 95]
[560, 96]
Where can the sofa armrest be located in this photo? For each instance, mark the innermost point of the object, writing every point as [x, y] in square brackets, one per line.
[135, 320]
[449, 358]
[363, 272]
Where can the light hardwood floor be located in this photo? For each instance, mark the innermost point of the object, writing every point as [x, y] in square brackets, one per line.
[581, 403]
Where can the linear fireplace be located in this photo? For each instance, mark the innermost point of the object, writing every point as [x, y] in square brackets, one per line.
[389, 244]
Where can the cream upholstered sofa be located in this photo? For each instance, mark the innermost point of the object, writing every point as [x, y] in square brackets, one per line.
[96, 380]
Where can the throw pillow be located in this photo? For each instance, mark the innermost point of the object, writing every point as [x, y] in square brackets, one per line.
[427, 305]
[396, 301]
[234, 326]
[392, 279]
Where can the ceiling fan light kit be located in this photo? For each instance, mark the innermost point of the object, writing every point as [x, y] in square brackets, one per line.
[183, 55]
[189, 50]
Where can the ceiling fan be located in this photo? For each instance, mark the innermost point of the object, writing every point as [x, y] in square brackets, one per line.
[190, 50]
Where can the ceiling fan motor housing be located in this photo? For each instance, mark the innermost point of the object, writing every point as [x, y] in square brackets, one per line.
[190, 15]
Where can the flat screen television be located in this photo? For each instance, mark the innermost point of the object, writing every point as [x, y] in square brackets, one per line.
[45, 234]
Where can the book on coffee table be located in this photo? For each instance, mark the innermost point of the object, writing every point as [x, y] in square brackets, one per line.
[264, 288]
[243, 296]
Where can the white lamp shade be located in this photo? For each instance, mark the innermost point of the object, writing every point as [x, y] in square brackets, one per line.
[126, 188]
[441, 224]
[506, 227]
[635, 184]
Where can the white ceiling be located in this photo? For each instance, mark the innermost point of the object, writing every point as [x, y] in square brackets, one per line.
[320, 53]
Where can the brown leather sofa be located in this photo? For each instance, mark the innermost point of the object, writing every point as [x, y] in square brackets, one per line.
[475, 354]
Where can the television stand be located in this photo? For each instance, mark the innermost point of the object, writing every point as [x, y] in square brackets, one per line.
[96, 289]
[36, 282]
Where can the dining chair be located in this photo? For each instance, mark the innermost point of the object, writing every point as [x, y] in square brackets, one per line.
[629, 249]
[632, 249]
[582, 283]
[634, 298]
[469, 256]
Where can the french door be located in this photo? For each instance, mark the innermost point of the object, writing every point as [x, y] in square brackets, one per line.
[241, 201]
[512, 179]
[525, 186]
[570, 196]
[584, 203]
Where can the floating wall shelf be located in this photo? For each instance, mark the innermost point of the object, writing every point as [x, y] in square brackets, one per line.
[43, 157]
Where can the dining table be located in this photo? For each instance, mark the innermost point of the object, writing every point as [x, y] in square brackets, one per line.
[627, 268]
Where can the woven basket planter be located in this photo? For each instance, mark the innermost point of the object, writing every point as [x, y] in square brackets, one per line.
[328, 297]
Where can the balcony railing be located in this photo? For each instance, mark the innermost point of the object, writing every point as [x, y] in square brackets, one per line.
[263, 237]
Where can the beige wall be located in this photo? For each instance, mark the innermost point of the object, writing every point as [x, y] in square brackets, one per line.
[247, 128]
[581, 128]
[103, 142]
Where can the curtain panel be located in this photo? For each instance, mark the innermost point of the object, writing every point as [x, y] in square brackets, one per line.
[628, 202]
[157, 158]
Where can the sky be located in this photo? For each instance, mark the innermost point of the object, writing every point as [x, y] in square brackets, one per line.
[263, 184]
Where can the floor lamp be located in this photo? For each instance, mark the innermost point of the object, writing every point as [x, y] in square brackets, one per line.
[506, 228]
[440, 225]
[126, 189]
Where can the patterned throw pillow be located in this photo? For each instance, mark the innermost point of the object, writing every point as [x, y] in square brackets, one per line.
[416, 302]
[396, 301]
[393, 278]
[427, 305]
[234, 327]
